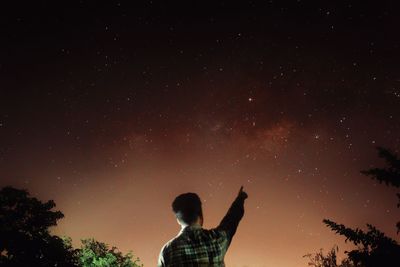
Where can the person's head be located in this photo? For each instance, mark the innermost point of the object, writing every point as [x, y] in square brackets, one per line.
[187, 208]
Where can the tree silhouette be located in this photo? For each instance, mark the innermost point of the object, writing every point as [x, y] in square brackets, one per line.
[390, 175]
[375, 249]
[318, 259]
[25, 239]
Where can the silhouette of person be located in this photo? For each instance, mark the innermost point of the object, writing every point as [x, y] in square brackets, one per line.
[195, 246]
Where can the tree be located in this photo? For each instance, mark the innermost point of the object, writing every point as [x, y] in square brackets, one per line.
[97, 254]
[25, 239]
[318, 259]
[374, 248]
[390, 175]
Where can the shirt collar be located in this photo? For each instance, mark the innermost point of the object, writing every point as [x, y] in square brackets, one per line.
[190, 227]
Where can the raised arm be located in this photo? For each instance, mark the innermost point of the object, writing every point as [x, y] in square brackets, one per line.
[235, 213]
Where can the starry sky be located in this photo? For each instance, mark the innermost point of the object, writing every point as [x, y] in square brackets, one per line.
[113, 109]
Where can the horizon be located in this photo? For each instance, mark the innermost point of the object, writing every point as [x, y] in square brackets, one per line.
[114, 109]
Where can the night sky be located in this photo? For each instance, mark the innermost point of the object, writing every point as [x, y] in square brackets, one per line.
[112, 110]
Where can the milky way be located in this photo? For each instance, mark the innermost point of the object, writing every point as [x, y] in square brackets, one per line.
[112, 110]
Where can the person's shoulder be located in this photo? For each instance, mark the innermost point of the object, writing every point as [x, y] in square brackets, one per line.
[172, 244]
[215, 233]
[164, 253]
[167, 245]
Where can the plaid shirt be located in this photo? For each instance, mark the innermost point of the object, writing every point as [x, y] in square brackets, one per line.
[195, 246]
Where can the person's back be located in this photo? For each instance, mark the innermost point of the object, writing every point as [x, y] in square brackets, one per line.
[195, 246]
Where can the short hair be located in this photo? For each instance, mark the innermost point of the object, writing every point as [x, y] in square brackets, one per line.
[187, 207]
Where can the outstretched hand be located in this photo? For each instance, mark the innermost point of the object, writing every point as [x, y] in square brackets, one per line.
[242, 194]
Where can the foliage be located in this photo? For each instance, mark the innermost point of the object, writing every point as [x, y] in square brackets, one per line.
[374, 247]
[318, 259]
[97, 254]
[25, 239]
[390, 175]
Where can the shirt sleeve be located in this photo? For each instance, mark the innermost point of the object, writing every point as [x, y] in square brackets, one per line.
[232, 218]
[161, 260]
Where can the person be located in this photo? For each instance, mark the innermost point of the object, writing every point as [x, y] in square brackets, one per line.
[195, 246]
